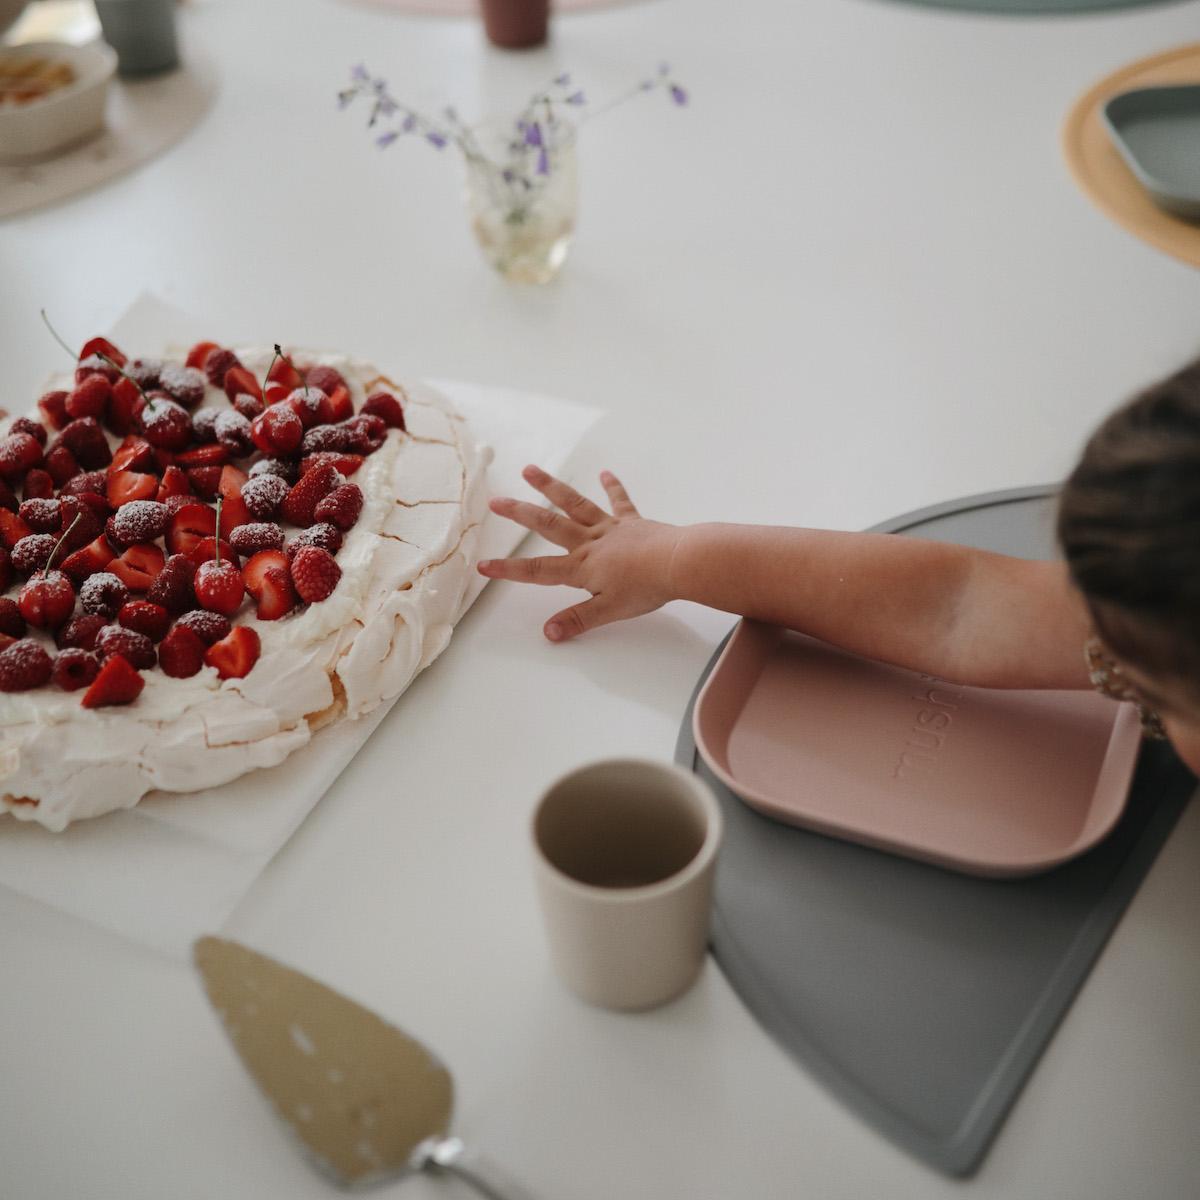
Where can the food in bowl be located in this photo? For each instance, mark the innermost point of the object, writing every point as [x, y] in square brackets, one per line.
[25, 80]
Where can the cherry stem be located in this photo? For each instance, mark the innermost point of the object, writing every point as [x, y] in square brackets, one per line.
[217, 539]
[116, 366]
[58, 544]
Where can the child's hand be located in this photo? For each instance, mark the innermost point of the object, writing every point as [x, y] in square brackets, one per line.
[623, 559]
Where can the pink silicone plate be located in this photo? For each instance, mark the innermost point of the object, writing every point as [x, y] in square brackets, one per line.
[985, 781]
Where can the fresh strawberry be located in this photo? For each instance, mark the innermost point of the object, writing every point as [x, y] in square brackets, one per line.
[219, 586]
[133, 454]
[255, 537]
[93, 482]
[125, 406]
[35, 429]
[234, 656]
[53, 407]
[145, 617]
[204, 456]
[277, 393]
[140, 521]
[205, 481]
[42, 516]
[85, 439]
[11, 622]
[38, 485]
[23, 666]
[81, 631]
[216, 362]
[206, 549]
[277, 431]
[103, 595]
[18, 452]
[199, 352]
[92, 558]
[327, 537]
[74, 668]
[299, 504]
[325, 378]
[283, 372]
[12, 529]
[61, 465]
[90, 398]
[165, 423]
[315, 574]
[127, 486]
[173, 586]
[181, 653]
[336, 406]
[233, 479]
[259, 565]
[238, 380]
[117, 683]
[209, 627]
[137, 648]
[138, 566]
[190, 525]
[6, 641]
[386, 407]
[263, 495]
[174, 483]
[104, 348]
[276, 597]
[342, 507]
[47, 600]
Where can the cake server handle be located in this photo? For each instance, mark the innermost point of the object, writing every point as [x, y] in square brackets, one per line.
[450, 1154]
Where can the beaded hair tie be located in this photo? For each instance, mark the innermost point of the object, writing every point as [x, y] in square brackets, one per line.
[1108, 679]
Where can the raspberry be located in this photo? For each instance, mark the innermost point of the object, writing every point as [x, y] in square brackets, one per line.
[204, 425]
[32, 553]
[136, 648]
[38, 485]
[326, 536]
[274, 466]
[299, 503]
[102, 594]
[140, 521]
[264, 494]
[325, 437]
[85, 439]
[81, 631]
[249, 406]
[386, 407]
[185, 385]
[86, 483]
[315, 574]
[11, 621]
[113, 536]
[35, 429]
[42, 516]
[233, 432]
[166, 424]
[19, 452]
[74, 668]
[61, 465]
[366, 433]
[144, 616]
[181, 654]
[217, 363]
[145, 372]
[24, 665]
[172, 587]
[53, 407]
[325, 378]
[342, 507]
[262, 535]
[90, 397]
[208, 626]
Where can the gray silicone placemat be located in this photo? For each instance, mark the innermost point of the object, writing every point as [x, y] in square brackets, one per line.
[1036, 8]
[923, 997]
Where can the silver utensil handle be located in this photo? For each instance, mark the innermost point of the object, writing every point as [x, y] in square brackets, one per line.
[449, 1154]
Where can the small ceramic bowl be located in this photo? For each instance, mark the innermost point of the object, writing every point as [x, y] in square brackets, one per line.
[41, 128]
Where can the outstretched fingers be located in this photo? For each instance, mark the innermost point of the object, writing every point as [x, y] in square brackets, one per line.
[551, 525]
[548, 569]
[617, 495]
[578, 508]
[579, 618]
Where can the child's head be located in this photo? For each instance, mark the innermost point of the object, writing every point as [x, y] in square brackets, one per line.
[1129, 526]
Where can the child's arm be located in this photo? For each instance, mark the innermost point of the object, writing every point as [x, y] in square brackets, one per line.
[961, 614]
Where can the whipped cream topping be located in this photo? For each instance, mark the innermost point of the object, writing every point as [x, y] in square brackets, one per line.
[406, 566]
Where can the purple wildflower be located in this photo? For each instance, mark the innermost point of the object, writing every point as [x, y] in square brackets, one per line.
[435, 139]
[533, 134]
[408, 124]
[678, 94]
[386, 139]
[576, 98]
[360, 73]
[543, 162]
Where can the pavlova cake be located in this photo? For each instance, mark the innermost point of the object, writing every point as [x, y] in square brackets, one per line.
[204, 561]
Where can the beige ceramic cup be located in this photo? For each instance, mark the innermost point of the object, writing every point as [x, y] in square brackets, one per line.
[625, 855]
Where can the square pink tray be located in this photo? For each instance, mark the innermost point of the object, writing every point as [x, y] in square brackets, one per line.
[986, 781]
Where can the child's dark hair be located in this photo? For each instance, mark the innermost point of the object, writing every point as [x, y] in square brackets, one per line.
[1129, 527]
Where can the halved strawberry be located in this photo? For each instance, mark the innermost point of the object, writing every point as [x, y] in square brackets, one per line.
[174, 483]
[239, 380]
[102, 346]
[95, 556]
[346, 464]
[198, 353]
[124, 486]
[257, 567]
[12, 528]
[133, 454]
[233, 479]
[117, 683]
[205, 481]
[53, 407]
[276, 393]
[282, 371]
[337, 406]
[138, 567]
[205, 550]
[189, 526]
[124, 405]
[277, 596]
[211, 455]
[234, 512]
[234, 656]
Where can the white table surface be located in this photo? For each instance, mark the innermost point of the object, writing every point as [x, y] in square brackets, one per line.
[852, 278]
